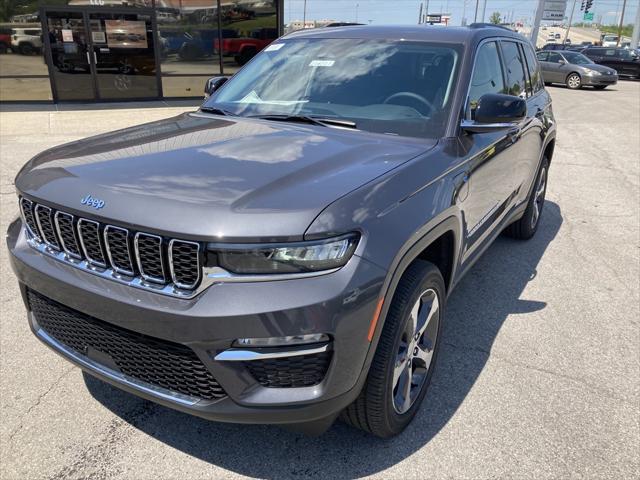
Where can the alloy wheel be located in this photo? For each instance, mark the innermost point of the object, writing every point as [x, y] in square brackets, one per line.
[415, 351]
[538, 198]
[574, 81]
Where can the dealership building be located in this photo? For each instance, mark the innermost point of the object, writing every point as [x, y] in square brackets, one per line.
[115, 50]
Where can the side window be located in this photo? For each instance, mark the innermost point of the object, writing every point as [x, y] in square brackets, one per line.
[534, 69]
[487, 75]
[609, 53]
[543, 56]
[554, 58]
[514, 66]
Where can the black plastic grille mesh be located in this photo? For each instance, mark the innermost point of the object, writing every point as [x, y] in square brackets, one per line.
[27, 212]
[46, 225]
[67, 233]
[119, 249]
[186, 270]
[90, 234]
[288, 372]
[169, 365]
[150, 255]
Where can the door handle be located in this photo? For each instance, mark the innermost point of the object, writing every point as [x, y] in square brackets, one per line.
[88, 59]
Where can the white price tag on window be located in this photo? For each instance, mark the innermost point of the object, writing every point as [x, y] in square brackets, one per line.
[322, 63]
[274, 47]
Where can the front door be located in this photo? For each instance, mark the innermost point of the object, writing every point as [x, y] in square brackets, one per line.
[101, 55]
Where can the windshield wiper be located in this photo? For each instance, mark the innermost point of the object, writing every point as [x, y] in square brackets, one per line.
[218, 111]
[313, 120]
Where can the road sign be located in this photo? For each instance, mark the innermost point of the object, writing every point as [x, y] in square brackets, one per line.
[588, 16]
[554, 9]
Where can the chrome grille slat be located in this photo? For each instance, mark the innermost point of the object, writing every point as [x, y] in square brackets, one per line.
[89, 234]
[116, 240]
[67, 234]
[149, 255]
[45, 225]
[28, 217]
[182, 257]
[108, 251]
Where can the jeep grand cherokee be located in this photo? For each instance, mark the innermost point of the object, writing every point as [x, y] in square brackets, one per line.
[284, 254]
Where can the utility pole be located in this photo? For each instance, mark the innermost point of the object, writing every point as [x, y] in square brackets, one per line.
[426, 12]
[624, 5]
[536, 23]
[484, 10]
[566, 34]
[463, 22]
[304, 15]
[635, 38]
[475, 17]
[420, 14]
[357, 5]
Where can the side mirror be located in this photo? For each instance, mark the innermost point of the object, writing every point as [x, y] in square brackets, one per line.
[213, 84]
[562, 62]
[496, 111]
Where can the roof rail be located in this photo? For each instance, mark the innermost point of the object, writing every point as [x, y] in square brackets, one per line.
[489, 25]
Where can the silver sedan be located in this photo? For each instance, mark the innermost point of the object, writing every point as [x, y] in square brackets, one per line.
[575, 70]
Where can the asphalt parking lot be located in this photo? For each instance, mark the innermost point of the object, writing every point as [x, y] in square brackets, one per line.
[539, 373]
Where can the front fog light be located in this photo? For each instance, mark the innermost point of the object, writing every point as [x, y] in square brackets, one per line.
[282, 341]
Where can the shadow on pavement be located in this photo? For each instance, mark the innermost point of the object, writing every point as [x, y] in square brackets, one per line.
[476, 311]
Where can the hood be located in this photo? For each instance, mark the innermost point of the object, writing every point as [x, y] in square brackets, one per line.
[204, 177]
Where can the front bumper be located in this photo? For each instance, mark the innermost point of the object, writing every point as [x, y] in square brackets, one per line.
[340, 305]
[600, 79]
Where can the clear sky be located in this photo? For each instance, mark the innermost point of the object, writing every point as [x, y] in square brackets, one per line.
[406, 11]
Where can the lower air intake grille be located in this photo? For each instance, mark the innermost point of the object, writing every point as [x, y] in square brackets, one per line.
[288, 372]
[165, 364]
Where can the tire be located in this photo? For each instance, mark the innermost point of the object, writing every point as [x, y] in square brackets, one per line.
[3, 48]
[600, 87]
[26, 49]
[527, 226]
[380, 408]
[574, 82]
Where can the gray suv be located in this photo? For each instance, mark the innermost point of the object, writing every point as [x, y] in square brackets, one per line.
[284, 254]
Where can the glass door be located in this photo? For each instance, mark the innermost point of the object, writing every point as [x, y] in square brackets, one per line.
[122, 50]
[70, 62]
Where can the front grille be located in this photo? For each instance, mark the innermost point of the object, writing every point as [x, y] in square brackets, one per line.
[158, 362]
[169, 266]
[183, 255]
[288, 372]
[117, 242]
[89, 232]
[44, 220]
[67, 234]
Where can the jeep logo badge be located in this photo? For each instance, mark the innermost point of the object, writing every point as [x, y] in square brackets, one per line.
[92, 202]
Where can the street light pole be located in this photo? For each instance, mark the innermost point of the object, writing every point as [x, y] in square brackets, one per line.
[566, 34]
[624, 5]
[635, 38]
[484, 10]
[536, 23]
[304, 15]
[475, 17]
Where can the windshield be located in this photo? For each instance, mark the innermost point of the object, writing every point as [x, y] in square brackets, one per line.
[610, 38]
[577, 58]
[399, 88]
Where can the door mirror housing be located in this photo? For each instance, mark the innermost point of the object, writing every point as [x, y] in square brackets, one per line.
[496, 111]
[214, 84]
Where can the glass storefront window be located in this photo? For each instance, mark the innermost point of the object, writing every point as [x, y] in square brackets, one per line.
[247, 28]
[187, 31]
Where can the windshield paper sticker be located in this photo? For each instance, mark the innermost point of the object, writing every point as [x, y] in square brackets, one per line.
[273, 47]
[322, 63]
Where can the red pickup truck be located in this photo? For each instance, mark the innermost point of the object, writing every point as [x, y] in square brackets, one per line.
[244, 49]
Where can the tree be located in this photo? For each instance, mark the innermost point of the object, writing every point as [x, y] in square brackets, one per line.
[495, 18]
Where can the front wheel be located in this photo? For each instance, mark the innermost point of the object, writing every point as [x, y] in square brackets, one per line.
[405, 357]
[574, 82]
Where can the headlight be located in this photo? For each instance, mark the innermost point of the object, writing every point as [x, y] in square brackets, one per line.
[588, 71]
[286, 258]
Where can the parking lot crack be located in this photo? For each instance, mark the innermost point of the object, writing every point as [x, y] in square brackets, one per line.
[38, 401]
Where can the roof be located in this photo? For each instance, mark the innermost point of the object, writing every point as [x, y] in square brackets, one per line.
[468, 34]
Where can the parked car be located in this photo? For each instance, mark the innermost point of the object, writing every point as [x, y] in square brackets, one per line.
[284, 254]
[624, 61]
[609, 40]
[200, 43]
[575, 70]
[556, 46]
[27, 41]
[5, 39]
[558, 36]
[244, 49]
